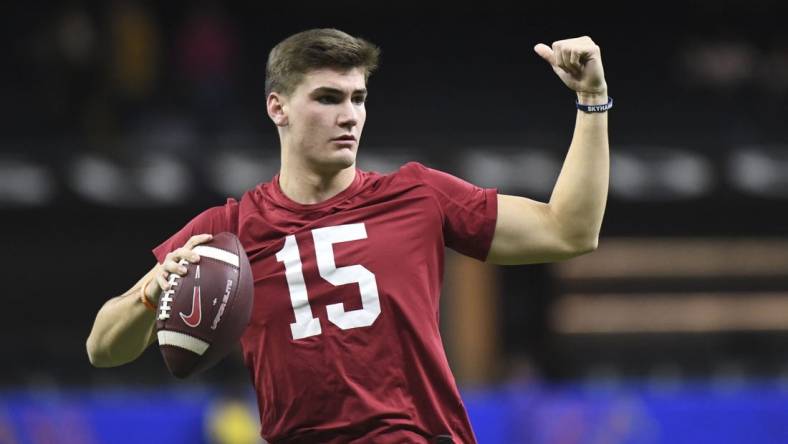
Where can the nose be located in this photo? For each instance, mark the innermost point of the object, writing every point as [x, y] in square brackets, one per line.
[348, 116]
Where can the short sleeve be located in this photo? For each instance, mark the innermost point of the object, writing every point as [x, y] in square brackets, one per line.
[469, 212]
[213, 220]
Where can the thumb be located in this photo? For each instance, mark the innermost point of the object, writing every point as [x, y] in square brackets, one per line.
[545, 52]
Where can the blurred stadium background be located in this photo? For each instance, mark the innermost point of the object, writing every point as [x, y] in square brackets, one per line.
[124, 119]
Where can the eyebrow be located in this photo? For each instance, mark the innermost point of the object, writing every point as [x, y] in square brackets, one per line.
[329, 90]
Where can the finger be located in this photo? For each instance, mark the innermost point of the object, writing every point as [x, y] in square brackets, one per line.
[171, 257]
[186, 256]
[169, 266]
[191, 256]
[574, 60]
[176, 257]
[197, 239]
[175, 267]
[561, 58]
[161, 279]
[545, 52]
[557, 56]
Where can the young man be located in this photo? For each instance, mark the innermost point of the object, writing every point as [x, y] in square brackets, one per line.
[344, 342]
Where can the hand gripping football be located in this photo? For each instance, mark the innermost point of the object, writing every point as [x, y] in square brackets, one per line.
[204, 313]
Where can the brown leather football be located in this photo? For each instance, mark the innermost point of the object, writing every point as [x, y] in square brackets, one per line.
[201, 318]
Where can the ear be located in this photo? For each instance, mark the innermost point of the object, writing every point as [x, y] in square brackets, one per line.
[275, 105]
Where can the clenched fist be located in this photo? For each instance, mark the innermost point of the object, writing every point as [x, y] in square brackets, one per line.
[578, 62]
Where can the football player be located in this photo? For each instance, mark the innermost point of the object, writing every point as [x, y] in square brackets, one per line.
[344, 342]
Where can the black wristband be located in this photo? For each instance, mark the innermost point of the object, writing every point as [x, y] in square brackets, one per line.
[595, 108]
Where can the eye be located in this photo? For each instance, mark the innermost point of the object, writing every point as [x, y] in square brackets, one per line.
[359, 100]
[327, 100]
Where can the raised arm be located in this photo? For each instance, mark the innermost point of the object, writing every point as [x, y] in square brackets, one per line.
[568, 225]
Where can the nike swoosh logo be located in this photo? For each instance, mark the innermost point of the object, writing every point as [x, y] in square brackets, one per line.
[193, 319]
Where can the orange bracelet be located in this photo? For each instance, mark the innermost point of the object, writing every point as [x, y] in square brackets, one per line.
[145, 301]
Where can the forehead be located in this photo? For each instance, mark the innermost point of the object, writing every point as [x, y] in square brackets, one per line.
[345, 80]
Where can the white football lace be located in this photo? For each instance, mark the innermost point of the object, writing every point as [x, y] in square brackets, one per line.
[166, 297]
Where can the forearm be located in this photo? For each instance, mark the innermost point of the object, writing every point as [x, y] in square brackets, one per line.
[580, 194]
[122, 330]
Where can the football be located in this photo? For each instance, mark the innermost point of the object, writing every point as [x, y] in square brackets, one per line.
[203, 314]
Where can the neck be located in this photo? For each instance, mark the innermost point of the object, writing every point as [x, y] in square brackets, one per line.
[307, 186]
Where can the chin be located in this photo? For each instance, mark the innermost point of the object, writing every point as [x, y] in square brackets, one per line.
[344, 164]
[337, 163]
[344, 159]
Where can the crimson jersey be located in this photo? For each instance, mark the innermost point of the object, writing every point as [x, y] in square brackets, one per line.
[344, 345]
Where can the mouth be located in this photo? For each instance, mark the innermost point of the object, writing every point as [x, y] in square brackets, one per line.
[345, 138]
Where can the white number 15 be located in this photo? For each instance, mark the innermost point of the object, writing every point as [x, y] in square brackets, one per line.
[306, 324]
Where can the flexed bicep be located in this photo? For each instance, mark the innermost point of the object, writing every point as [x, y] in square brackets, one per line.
[528, 232]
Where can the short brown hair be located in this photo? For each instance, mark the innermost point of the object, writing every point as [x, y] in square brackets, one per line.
[300, 53]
